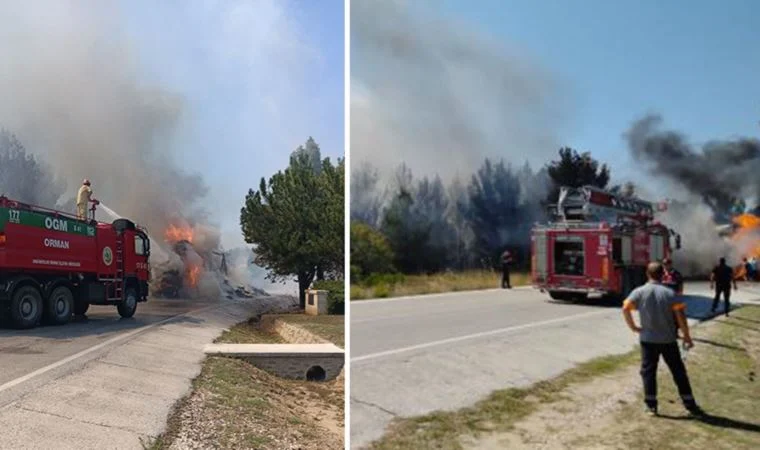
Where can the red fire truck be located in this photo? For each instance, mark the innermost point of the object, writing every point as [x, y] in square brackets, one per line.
[53, 264]
[597, 244]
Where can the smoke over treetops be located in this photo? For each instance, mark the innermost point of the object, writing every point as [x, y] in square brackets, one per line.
[719, 173]
[441, 98]
[74, 92]
[713, 178]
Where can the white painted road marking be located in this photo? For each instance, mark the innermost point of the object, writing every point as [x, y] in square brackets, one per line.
[478, 335]
[64, 361]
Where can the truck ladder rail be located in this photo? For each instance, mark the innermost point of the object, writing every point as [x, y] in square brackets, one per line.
[588, 201]
[119, 283]
[5, 202]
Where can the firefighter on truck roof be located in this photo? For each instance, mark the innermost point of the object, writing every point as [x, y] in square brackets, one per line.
[84, 197]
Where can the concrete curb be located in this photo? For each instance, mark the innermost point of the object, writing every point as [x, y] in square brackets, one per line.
[272, 349]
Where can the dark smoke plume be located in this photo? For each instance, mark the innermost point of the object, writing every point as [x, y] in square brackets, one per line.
[718, 173]
[713, 177]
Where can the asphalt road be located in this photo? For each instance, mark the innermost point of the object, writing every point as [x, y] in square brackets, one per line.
[411, 356]
[26, 351]
[108, 382]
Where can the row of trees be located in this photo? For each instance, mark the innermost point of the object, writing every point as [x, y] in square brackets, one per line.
[422, 225]
[296, 220]
[26, 178]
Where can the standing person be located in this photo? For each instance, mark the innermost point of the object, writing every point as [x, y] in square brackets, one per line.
[671, 277]
[506, 261]
[84, 197]
[721, 278]
[658, 335]
[749, 268]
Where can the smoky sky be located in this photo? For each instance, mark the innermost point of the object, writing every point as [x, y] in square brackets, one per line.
[74, 91]
[717, 172]
[441, 97]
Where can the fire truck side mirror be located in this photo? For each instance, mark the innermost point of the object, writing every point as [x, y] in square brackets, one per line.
[678, 242]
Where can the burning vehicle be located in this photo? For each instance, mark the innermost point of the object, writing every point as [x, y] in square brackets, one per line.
[743, 235]
[192, 256]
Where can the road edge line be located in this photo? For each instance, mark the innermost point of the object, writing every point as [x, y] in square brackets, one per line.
[23, 379]
[437, 294]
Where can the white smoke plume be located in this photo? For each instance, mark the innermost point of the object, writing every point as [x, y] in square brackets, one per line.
[702, 246]
[73, 90]
[441, 97]
[78, 91]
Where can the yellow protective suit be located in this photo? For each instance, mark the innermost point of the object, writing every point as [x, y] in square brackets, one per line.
[83, 199]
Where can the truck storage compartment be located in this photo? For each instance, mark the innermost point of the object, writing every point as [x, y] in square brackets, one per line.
[569, 255]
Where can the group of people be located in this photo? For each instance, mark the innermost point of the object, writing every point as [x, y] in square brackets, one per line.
[750, 269]
[662, 313]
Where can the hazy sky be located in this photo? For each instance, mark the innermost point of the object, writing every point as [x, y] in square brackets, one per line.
[258, 76]
[696, 62]
[582, 70]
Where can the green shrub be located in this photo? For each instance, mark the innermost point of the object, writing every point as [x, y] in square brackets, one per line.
[370, 252]
[336, 295]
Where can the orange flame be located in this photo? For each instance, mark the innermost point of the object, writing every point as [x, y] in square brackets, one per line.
[747, 221]
[193, 274]
[749, 233]
[176, 234]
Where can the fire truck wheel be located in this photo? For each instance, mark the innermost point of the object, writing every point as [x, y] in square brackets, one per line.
[26, 307]
[59, 305]
[80, 308]
[128, 307]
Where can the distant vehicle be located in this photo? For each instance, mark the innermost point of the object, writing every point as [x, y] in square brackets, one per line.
[53, 265]
[597, 244]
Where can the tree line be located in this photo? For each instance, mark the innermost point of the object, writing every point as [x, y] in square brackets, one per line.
[423, 225]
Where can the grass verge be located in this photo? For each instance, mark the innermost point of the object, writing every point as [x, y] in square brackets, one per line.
[437, 283]
[248, 332]
[723, 372]
[722, 369]
[498, 412]
[233, 404]
[331, 327]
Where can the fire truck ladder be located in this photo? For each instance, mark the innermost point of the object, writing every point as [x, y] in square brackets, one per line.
[582, 204]
[119, 282]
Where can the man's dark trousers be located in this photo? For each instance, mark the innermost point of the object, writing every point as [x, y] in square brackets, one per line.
[650, 357]
[726, 291]
[505, 276]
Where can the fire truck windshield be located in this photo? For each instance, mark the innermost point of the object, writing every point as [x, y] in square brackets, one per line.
[568, 256]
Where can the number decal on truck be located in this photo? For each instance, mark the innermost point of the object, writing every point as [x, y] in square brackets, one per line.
[14, 216]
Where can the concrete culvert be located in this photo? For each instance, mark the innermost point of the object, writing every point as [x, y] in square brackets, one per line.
[316, 373]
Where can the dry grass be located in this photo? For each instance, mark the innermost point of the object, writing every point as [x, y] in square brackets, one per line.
[247, 333]
[437, 283]
[723, 373]
[499, 412]
[236, 405]
[599, 404]
[331, 327]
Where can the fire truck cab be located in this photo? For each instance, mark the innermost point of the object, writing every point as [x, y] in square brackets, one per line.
[597, 244]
